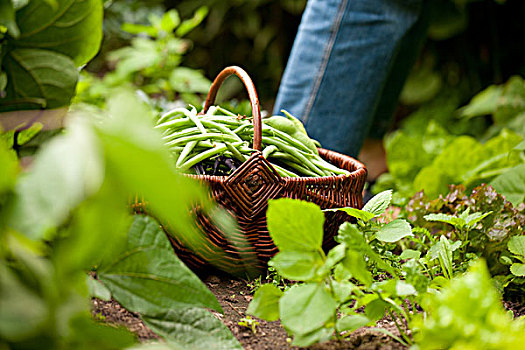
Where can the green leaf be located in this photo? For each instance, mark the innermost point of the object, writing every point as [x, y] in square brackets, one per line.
[410, 254]
[394, 231]
[265, 303]
[193, 329]
[297, 265]
[356, 265]
[38, 79]
[23, 310]
[378, 204]
[66, 171]
[516, 245]
[518, 269]
[97, 289]
[8, 168]
[335, 255]
[404, 289]
[7, 18]
[472, 219]
[356, 213]
[170, 20]
[342, 290]
[188, 25]
[88, 334]
[295, 225]
[483, 103]
[318, 336]
[183, 79]
[511, 184]
[375, 310]
[149, 279]
[351, 323]
[512, 100]
[449, 219]
[73, 28]
[305, 308]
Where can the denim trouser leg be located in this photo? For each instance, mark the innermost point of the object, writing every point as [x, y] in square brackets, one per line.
[339, 64]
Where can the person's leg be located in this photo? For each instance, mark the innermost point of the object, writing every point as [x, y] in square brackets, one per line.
[339, 64]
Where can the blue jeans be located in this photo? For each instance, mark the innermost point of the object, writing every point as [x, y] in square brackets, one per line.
[347, 66]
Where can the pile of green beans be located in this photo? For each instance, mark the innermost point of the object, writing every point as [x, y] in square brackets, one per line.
[194, 138]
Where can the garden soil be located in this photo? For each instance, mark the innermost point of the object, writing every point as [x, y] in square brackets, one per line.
[234, 296]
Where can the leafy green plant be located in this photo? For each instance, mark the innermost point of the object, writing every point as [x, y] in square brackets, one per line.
[42, 43]
[152, 62]
[74, 199]
[337, 282]
[249, 323]
[467, 314]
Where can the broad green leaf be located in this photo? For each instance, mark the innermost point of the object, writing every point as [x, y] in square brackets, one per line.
[356, 213]
[26, 135]
[65, 172]
[38, 79]
[445, 255]
[73, 28]
[516, 245]
[483, 103]
[305, 308]
[192, 328]
[335, 255]
[518, 269]
[356, 265]
[512, 100]
[342, 290]
[394, 231]
[265, 303]
[297, 265]
[318, 336]
[88, 334]
[352, 322]
[449, 219]
[149, 279]
[468, 314]
[410, 254]
[378, 204]
[472, 219]
[422, 84]
[8, 168]
[295, 225]
[23, 310]
[184, 79]
[375, 310]
[170, 20]
[97, 289]
[7, 18]
[511, 184]
[403, 289]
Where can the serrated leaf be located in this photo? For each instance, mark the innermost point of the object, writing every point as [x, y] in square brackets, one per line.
[265, 303]
[394, 231]
[73, 28]
[518, 269]
[295, 225]
[149, 279]
[38, 79]
[378, 204]
[305, 308]
[192, 328]
[296, 265]
[474, 218]
[449, 219]
[516, 245]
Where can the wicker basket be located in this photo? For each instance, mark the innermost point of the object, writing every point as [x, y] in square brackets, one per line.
[245, 194]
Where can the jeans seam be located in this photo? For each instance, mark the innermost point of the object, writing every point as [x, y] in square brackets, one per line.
[326, 56]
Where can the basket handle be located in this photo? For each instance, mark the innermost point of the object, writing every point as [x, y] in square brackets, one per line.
[254, 100]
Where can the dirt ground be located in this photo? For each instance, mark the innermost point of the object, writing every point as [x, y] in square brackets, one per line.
[234, 297]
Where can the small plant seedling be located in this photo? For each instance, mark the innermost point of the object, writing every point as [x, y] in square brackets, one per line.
[249, 323]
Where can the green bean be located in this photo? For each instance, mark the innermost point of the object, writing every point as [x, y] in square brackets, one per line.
[187, 149]
[224, 129]
[204, 155]
[185, 132]
[268, 150]
[291, 140]
[207, 136]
